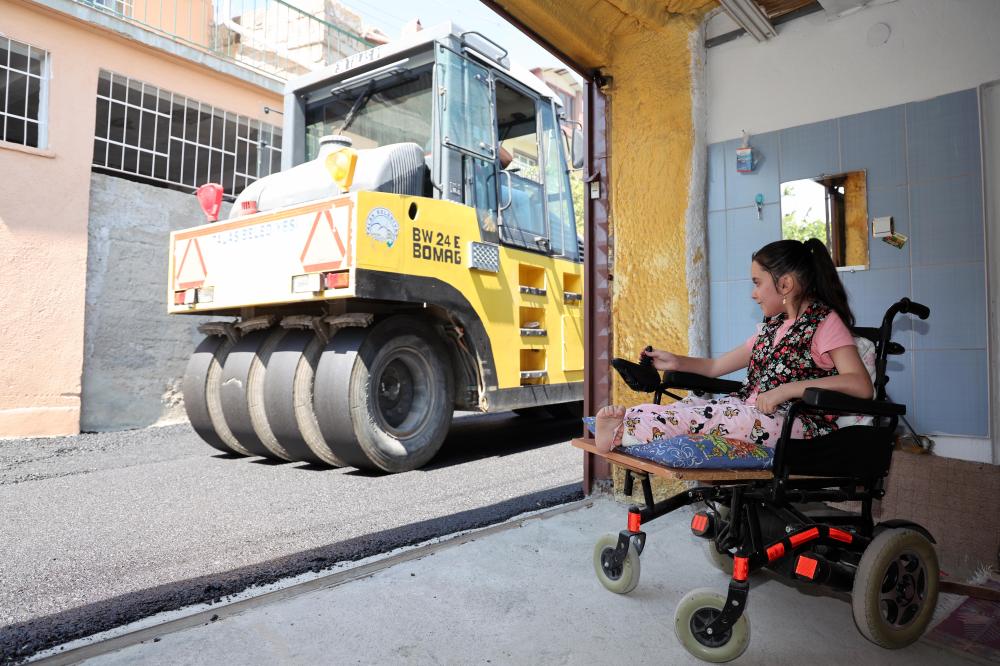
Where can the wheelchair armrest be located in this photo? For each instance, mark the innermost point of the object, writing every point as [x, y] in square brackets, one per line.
[692, 382]
[827, 400]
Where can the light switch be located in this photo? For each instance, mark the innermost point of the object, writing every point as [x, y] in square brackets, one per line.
[881, 226]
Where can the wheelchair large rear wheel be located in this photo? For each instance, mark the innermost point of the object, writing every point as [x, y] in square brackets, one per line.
[895, 588]
[696, 611]
[621, 579]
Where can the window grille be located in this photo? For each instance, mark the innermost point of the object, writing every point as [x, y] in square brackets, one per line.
[160, 136]
[24, 90]
[119, 7]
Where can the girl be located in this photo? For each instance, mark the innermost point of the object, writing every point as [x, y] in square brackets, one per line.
[804, 342]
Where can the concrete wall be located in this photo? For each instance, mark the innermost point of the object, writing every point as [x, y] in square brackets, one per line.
[44, 204]
[134, 353]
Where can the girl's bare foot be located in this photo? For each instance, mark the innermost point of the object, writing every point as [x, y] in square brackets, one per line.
[608, 421]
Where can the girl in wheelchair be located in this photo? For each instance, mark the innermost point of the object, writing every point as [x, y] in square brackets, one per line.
[805, 341]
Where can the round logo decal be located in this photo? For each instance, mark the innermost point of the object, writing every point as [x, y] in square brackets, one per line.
[382, 226]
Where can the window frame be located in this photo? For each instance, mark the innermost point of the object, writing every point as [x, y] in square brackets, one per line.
[43, 77]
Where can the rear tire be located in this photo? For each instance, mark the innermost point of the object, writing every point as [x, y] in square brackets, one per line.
[384, 398]
[288, 398]
[895, 588]
[202, 400]
[236, 376]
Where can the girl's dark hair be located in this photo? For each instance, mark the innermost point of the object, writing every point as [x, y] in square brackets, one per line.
[811, 263]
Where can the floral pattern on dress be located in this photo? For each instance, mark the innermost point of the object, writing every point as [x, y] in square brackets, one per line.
[790, 360]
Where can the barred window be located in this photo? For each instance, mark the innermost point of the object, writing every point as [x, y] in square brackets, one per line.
[24, 90]
[153, 134]
[120, 7]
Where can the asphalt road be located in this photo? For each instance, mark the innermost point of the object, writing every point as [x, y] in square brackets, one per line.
[103, 529]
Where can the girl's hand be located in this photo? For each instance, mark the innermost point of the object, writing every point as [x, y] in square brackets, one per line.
[663, 360]
[768, 401]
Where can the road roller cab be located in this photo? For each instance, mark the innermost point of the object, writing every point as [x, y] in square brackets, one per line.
[417, 254]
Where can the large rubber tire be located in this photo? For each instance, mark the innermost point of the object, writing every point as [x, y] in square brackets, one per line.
[256, 403]
[694, 613]
[236, 375]
[384, 398]
[288, 398]
[620, 580]
[895, 588]
[202, 401]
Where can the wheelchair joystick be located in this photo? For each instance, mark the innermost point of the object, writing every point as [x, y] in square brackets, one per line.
[646, 361]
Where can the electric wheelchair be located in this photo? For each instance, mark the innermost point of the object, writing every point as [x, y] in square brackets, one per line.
[759, 519]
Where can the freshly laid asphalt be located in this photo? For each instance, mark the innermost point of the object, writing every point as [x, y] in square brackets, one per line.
[100, 530]
[524, 593]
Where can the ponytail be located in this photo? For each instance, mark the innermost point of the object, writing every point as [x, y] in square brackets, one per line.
[812, 265]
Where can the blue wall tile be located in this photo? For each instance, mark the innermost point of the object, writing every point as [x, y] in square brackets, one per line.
[892, 201]
[718, 241]
[923, 168]
[717, 176]
[718, 306]
[872, 292]
[942, 137]
[746, 234]
[744, 313]
[900, 386]
[807, 151]
[950, 392]
[947, 221]
[875, 141]
[956, 295]
[741, 188]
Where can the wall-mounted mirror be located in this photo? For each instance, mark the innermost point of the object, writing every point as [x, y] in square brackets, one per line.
[833, 209]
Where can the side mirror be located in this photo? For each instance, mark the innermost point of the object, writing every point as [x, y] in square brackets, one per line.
[576, 148]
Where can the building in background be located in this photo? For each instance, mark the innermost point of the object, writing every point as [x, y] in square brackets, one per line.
[111, 113]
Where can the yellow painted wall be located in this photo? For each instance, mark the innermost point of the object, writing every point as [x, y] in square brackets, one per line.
[651, 142]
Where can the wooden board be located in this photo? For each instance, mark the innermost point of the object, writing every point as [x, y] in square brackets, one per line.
[686, 474]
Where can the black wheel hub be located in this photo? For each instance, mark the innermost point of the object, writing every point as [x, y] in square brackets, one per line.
[700, 622]
[395, 393]
[402, 393]
[903, 590]
[608, 564]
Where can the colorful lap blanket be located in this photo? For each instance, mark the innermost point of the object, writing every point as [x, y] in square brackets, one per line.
[699, 451]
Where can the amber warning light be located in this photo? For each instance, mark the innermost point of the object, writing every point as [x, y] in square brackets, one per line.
[210, 197]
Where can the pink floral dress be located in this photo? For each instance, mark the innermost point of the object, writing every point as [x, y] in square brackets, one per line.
[731, 417]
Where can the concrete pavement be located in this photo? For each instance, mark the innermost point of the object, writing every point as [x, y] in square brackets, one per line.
[519, 593]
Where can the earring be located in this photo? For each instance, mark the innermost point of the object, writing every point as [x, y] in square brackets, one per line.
[784, 300]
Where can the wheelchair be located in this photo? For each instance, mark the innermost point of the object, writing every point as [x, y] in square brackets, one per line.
[762, 520]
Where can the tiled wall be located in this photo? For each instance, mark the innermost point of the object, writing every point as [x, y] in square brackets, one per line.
[923, 164]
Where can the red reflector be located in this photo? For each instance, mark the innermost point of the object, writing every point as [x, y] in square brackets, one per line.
[634, 522]
[210, 197]
[178, 298]
[248, 207]
[776, 551]
[806, 566]
[699, 523]
[802, 537]
[841, 535]
[741, 568]
[337, 280]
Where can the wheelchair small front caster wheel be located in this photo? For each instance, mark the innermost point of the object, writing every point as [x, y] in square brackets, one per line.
[895, 588]
[696, 611]
[620, 579]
